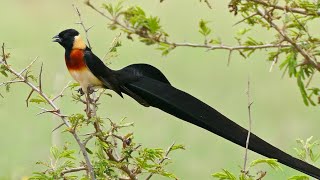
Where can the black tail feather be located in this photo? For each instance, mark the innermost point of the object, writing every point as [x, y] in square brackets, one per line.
[189, 108]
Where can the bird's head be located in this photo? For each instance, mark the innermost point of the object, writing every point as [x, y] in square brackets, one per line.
[70, 39]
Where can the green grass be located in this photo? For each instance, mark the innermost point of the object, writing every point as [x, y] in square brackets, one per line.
[279, 115]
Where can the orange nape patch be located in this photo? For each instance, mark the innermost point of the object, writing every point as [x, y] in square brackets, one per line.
[76, 60]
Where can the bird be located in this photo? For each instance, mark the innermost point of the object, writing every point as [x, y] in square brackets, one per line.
[150, 87]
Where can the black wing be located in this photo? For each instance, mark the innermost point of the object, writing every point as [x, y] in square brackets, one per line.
[102, 72]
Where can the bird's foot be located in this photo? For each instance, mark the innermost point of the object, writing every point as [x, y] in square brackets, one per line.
[80, 91]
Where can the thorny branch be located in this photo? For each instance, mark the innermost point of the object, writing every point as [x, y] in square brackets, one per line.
[99, 134]
[308, 60]
[163, 159]
[55, 110]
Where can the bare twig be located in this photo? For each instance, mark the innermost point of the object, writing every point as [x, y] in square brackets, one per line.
[73, 170]
[250, 102]
[242, 20]
[229, 57]
[28, 67]
[29, 96]
[163, 159]
[11, 82]
[62, 91]
[208, 3]
[56, 128]
[86, 30]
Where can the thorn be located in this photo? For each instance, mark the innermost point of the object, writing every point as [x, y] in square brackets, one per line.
[27, 100]
[60, 125]
[89, 28]
[40, 78]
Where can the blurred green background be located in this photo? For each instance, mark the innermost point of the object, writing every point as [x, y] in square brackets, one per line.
[279, 115]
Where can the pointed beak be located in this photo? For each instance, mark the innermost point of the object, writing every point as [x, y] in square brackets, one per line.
[56, 39]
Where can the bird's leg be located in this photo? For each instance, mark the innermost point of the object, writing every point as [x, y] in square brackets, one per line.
[89, 101]
[87, 95]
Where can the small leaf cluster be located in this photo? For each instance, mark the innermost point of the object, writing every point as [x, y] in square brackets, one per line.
[60, 161]
[308, 149]
[134, 20]
[113, 154]
[227, 175]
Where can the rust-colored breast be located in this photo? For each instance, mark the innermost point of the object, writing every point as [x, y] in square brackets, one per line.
[76, 60]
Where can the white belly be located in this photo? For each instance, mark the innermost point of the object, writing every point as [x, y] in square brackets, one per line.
[85, 78]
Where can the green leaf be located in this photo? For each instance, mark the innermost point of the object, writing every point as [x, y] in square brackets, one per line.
[40, 176]
[273, 163]
[67, 154]
[243, 31]
[74, 85]
[224, 175]
[54, 151]
[178, 146]
[4, 73]
[38, 100]
[153, 24]
[165, 48]
[3, 70]
[89, 151]
[204, 29]
[32, 77]
[302, 90]
[109, 8]
[299, 177]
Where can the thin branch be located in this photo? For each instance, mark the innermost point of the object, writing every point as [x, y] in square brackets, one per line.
[54, 111]
[51, 103]
[208, 3]
[250, 102]
[28, 67]
[86, 30]
[225, 47]
[309, 80]
[163, 159]
[62, 91]
[59, 126]
[242, 20]
[73, 170]
[276, 58]
[285, 8]
[11, 82]
[229, 57]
